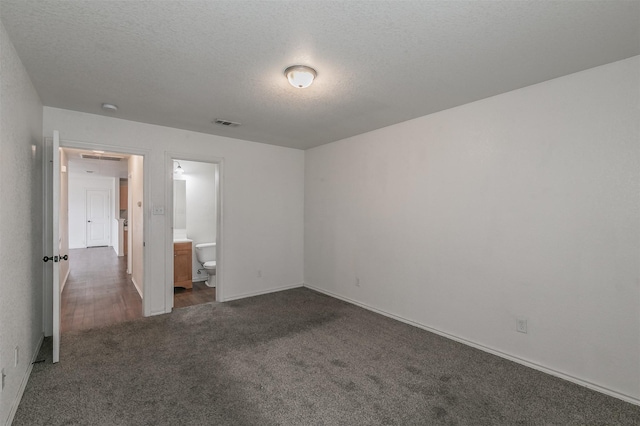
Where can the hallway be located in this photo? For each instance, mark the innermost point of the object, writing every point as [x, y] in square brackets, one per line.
[98, 291]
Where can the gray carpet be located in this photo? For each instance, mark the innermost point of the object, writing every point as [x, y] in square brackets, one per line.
[294, 358]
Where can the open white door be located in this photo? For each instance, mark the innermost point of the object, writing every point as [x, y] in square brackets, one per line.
[52, 247]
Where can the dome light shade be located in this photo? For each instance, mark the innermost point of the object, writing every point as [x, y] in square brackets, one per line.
[300, 76]
[109, 107]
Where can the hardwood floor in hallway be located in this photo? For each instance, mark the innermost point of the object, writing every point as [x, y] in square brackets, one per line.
[200, 293]
[99, 291]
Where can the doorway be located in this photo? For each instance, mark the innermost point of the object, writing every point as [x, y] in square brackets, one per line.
[195, 231]
[102, 285]
[56, 233]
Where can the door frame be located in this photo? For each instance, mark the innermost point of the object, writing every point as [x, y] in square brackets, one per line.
[170, 156]
[86, 213]
[47, 198]
[48, 234]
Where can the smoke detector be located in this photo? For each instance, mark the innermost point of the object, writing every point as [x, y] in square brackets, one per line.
[110, 107]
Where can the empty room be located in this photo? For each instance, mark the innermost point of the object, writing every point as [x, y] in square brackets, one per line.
[327, 212]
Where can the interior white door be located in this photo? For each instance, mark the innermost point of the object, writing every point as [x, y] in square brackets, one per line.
[55, 228]
[98, 218]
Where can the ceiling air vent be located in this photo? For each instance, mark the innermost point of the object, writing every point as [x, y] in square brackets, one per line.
[226, 123]
[100, 157]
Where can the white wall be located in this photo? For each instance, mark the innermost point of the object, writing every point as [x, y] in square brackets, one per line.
[262, 196]
[78, 186]
[524, 204]
[136, 220]
[201, 207]
[63, 217]
[115, 214]
[115, 237]
[21, 265]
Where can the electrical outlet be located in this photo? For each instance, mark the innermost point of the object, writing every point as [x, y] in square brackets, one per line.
[16, 357]
[259, 273]
[521, 325]
[357, 282]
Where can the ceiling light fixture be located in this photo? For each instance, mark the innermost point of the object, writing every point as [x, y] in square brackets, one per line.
[110, 107]
[300, 76]
[178, 170]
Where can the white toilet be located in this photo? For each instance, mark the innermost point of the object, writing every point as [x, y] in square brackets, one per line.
[206, 255]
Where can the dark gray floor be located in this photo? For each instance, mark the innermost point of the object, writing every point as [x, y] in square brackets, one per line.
[294, 358]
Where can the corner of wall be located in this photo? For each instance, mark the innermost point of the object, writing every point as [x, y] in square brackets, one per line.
[21, 224]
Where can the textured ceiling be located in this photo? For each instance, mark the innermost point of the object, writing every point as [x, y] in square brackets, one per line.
[184, 63]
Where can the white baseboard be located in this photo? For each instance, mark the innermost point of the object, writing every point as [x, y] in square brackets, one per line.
[258, 293]
[64, 281]
[137, 286]
[535, 366]
[23, 384]
[118, 253]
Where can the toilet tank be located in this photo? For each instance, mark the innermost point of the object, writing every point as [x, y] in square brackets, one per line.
[205, 252]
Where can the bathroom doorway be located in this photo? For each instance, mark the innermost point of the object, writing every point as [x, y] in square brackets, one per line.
[195, 230]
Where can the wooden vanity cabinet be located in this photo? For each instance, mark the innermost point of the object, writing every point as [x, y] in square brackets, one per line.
[182, 274]
[124, 197]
